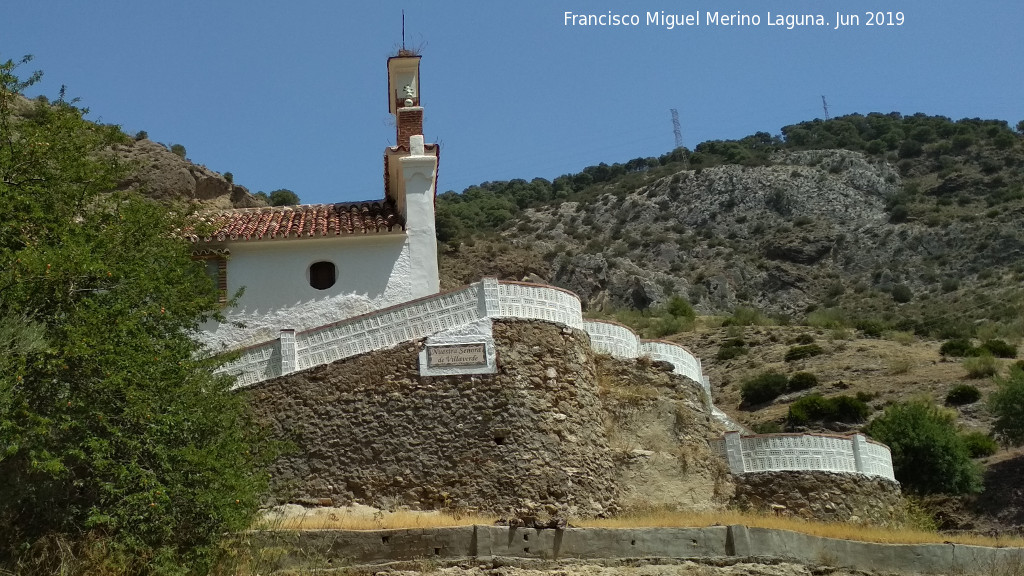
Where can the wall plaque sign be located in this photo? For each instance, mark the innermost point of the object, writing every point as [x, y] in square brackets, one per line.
[457, 355]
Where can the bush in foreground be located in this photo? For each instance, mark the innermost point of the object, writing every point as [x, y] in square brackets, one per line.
[929, 454]
[120, 452]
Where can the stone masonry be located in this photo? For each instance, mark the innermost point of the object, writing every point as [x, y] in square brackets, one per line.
[827, 496]
[369, 429]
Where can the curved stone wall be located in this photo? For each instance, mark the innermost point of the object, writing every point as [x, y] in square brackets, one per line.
[370, 429]
[818, 495]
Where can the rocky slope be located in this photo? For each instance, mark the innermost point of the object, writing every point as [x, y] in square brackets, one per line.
[156, 172]
[167, 177]
[810, 229]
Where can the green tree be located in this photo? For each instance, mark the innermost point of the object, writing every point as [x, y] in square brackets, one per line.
[119, 449]
[1007, 404]
[283, 197]
[929, 455]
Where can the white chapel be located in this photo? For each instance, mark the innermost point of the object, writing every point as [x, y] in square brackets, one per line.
[311, 265]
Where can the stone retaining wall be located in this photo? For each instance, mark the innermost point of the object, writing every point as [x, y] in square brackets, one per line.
[369, 429]
[827, 496]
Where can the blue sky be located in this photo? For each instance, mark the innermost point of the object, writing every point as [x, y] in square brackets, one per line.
[293, 95]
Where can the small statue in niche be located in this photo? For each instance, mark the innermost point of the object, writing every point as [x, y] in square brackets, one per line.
[410, 93]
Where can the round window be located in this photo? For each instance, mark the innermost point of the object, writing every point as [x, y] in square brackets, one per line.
[322, 275]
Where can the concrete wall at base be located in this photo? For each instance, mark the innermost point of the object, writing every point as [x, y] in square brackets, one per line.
[599, 542]
[327, 548]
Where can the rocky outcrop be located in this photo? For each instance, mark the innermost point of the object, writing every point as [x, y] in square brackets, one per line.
[658, 427]
[826, 496]
[162, 175]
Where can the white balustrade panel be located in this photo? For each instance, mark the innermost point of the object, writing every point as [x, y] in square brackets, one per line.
[518, 300]
[770, 453]
[613, 339]
[877, 460]
[389, 327]
[684, 362]
[255, 364]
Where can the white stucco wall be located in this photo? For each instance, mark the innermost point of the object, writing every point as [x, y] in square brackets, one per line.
[373, 272]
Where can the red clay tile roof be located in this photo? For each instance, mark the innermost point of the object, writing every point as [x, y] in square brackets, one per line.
[307, 221]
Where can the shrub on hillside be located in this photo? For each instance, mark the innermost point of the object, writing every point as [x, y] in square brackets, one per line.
[801, 352]
[764, 387]
[980, 445]
[999, 348]
[802, 381]
[963, 394]
[928, 453]
[803, 339]
[817, 408]
[902, 293]
[1007, 404]
[769, 427]
[680, 308]
[871, 327]
[731, 348]
[958, 348]
[980, 366]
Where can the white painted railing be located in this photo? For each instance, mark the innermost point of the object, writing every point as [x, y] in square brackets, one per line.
[389, 327]
[621, 342]
[802, 452]
[439, 313]
[521, 300]
[686, 364]
[613, 339]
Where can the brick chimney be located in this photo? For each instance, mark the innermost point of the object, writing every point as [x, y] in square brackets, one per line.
[408, 122]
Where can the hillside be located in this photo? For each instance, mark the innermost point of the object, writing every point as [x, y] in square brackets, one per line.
[162, 174]
[874, 238]
[895, 237]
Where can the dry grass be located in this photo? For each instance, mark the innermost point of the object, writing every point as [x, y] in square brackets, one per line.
[340, 519]
[898, 364]
[838, 530]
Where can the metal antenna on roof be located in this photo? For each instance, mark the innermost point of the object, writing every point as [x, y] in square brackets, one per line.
[403, 30]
